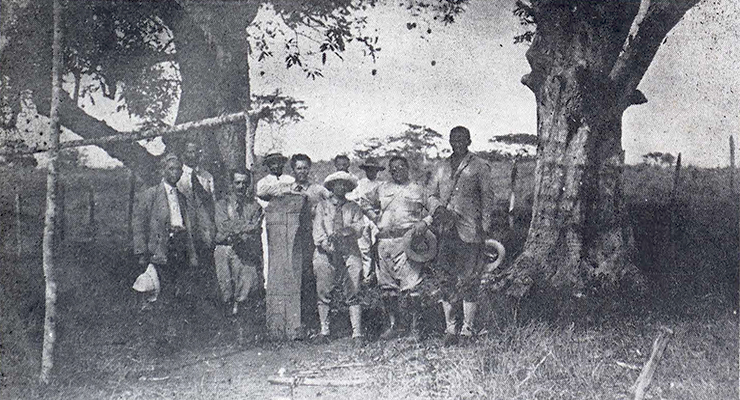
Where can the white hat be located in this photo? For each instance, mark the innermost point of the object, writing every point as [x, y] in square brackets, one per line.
[148, 282]
[341, 176]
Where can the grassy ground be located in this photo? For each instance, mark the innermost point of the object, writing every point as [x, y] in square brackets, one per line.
[523, 354]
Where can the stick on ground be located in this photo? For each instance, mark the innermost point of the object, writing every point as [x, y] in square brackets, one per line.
[646, 375]
[296, 381]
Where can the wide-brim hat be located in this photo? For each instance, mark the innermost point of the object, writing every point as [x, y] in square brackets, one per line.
[148, 281]
[422, 248]
[340, 176]
[494, 254]
[372, 163]
[274, 157]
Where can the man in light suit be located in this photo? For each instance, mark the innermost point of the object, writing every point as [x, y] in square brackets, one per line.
[462, 198]
[162, 239]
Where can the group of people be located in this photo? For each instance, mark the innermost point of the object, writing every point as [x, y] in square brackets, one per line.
[361, 231]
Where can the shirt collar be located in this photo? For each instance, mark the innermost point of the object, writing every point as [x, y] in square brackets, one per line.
[336, 201]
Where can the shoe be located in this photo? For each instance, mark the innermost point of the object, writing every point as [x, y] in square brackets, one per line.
[450, 339]
[467, 340]
[359, 342]
[389, 334]
[322, 339]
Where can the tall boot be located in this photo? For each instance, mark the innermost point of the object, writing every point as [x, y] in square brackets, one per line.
[469, 310]
[390, 304]
[450, 323]
[324, 321]
[414, 309]
[355, 319]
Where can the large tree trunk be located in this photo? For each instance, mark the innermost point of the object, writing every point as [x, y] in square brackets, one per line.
[584, 75]
[211, 47]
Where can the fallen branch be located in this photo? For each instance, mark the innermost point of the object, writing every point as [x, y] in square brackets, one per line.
[348, 365]
[531, 373]
[298, 381]
[628, 366]
[646, 376]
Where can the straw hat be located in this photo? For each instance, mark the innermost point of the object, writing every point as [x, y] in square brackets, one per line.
[420, 249]
[340, 176]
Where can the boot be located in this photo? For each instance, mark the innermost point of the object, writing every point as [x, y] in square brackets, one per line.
[413, 307]
[450, 324]
[467, 332]
[355, 319]
[390, 304]
[324, 321]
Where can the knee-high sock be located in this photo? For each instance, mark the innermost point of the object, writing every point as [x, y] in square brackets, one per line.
[450, 320]
[355, 318]
[469, 310]
[391, 308]
[324, 318]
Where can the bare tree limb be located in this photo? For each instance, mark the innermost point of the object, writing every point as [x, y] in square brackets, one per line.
[661, 16]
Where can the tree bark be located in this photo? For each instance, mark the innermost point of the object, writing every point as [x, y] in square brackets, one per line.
[211, 51]
[585, 71]
[47, 352]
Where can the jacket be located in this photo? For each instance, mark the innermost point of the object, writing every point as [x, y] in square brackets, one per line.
[151, 225]
[470, 193]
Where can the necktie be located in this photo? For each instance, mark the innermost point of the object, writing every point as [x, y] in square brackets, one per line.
[338, 222]
[198, 190]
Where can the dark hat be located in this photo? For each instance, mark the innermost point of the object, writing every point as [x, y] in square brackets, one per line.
[372, 163]
[274, 157]
[421, 249]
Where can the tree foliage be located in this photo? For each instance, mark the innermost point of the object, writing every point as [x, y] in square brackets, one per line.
[513, 146]
[130, 51]
[416, 142]
[659, 158]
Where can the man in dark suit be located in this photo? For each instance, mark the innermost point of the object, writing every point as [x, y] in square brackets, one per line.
[462, 198]
[163, 240]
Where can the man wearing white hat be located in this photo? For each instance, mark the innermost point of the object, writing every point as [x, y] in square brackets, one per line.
[404, 213]
[463, 198]
[336, 226]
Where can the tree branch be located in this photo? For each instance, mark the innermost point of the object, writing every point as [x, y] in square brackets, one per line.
[132, 154]
[661, 16]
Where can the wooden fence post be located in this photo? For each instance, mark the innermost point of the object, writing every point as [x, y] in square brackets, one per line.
[92, 226]
[131, 195]
[512, 196]
[18, 226]
[673, 209]
[47, 349]
[732, 166]
[61, 207]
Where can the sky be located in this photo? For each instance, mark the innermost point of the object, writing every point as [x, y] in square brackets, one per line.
[468, 73]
